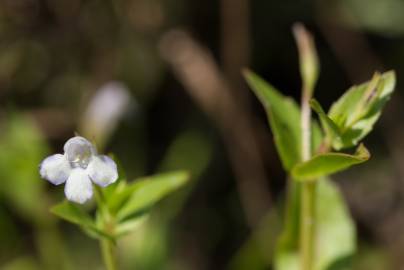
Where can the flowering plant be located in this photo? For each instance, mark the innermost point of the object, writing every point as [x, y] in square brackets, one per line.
[120, 206]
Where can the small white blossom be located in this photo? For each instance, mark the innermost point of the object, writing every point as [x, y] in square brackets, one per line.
[78, 167]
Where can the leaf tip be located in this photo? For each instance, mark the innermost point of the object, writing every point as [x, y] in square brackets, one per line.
[363, 153]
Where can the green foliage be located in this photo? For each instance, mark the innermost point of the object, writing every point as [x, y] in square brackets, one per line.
[22, 149]
[153, 250]
[335, 243]
[349, 120]
[122, 207]
[148, 191]
[284, 118]
[360, 107]
[329, 163]
[331, 130]
[72, 213]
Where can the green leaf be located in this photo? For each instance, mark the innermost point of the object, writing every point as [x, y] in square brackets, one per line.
[149, 191]
[316, 136]
[76, 215]
[24, 262]
[360, 107]
[334, 225]
[72, 213]
[130, 225]
[258, 249]
[329, 163]
[284, 119]
[331, 130]
[289, 238]
[22, 149]
[308, 59]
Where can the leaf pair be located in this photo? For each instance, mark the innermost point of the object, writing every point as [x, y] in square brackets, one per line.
[325, 164]
[127, 204]
[284, 118]
[352, 117]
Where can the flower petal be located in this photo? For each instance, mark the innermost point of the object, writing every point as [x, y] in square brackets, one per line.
[79, 151]
[78, 186]
[102, 170]
[79, 142]
[56, 169]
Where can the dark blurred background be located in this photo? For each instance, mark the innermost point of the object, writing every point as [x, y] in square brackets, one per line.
[158, 83]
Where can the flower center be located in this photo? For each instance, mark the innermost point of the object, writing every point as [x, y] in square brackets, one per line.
[79, 155]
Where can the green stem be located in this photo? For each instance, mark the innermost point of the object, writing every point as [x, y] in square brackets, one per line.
[308, 225]
[108, 254]
[309, 73]
[308, 197]
[107, 245]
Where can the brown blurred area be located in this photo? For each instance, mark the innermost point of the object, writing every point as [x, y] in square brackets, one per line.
[147, 79]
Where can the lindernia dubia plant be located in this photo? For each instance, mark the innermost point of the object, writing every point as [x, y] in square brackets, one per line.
[121, 206]
[318, 232]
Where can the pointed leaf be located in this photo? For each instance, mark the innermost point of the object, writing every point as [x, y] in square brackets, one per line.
[329, 163]
[284, 119]
[72, 213]
[331, 130]
[150, 191]
[360, 107]
[130, 225]
[334, 225]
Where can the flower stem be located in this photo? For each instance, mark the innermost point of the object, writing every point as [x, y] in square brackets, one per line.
[309, 73]
[107, 245]
[308, 198]
[307, 225]
[108, 254]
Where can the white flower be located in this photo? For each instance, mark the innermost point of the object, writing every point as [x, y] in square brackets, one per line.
[78, 167]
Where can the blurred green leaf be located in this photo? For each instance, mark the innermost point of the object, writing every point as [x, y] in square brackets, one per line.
[149, 191]
[22, 149]
[383, 18]
[330, 128]
[76, 215]
[284, 119]
[22, 263]
[177, 155]
[336, 239]
[72, 213]
[329, 163]
[360, 107]
[131, 224]
[257, 252]
[289, 238]
[154, 246]
[316, 136]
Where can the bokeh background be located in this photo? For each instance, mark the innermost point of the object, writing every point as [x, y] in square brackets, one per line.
[158, 83]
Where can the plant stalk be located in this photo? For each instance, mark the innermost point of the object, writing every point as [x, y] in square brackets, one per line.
[308, 225]
[108, 254]
[107, 245]
[309, 73]
[308, 197]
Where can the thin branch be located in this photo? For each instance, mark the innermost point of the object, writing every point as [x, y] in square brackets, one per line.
[196, 69]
